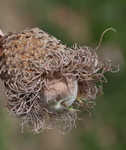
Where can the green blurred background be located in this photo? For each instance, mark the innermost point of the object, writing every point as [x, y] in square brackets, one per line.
[82, 22]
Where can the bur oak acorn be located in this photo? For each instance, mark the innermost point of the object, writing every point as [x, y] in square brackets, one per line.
[47, 82]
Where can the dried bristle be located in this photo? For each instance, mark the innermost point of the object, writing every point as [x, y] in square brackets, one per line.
[32, 57]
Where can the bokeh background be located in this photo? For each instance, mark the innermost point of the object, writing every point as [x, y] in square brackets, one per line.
[82, 22]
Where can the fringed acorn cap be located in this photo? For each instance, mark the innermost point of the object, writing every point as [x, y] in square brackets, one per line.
[47, 82]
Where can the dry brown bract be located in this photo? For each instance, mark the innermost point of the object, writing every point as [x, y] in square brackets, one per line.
[39, 72]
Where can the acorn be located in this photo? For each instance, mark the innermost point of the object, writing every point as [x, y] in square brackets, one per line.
[44, 78]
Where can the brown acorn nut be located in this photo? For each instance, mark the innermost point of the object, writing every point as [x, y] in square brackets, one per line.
[43, 78]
